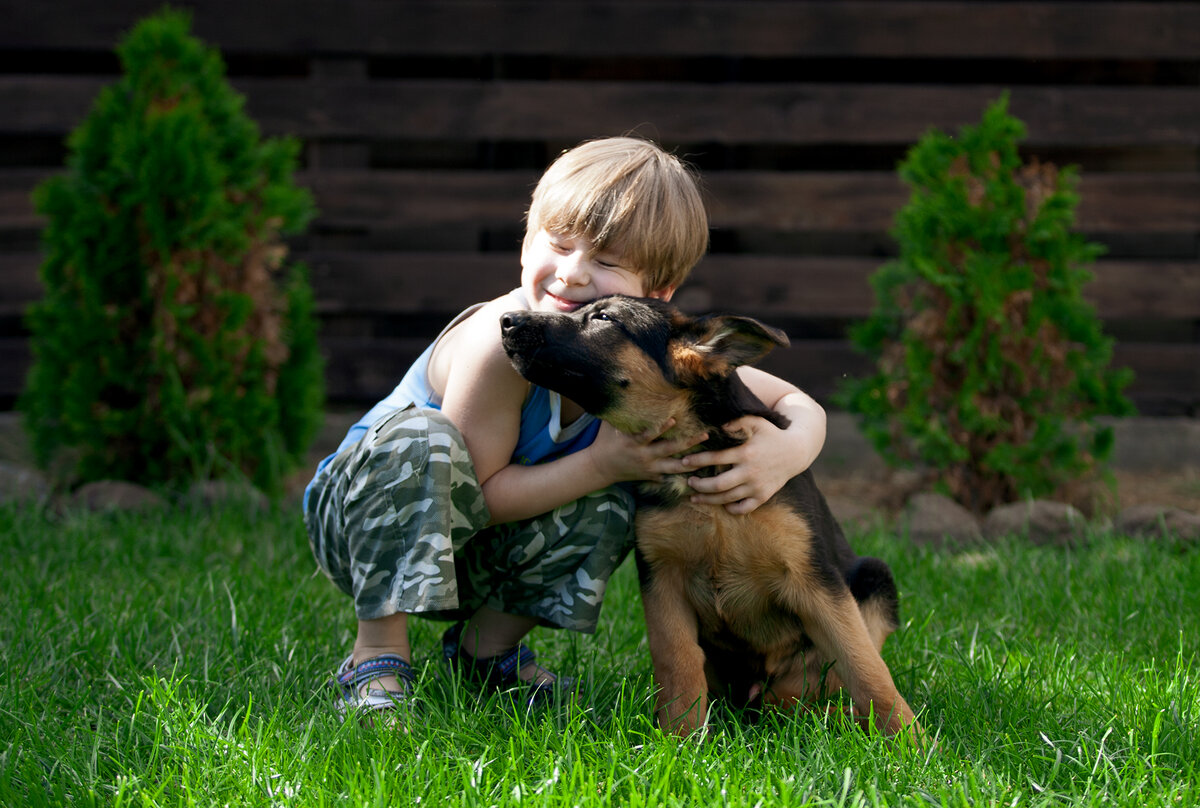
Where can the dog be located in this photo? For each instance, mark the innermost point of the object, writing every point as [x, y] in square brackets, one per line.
[772, 606]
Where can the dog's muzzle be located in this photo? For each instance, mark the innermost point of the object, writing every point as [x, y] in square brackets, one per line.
[520, 335]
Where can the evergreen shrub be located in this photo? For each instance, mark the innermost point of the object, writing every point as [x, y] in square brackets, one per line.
[990, 365]
[174, 342]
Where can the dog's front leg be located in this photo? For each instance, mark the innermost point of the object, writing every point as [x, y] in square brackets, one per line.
[673, 634]
[836, 627]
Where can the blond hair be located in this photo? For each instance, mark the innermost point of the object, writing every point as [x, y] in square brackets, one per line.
[629, 196]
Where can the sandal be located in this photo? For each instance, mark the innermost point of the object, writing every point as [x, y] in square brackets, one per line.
[351, 678]
[500, 672]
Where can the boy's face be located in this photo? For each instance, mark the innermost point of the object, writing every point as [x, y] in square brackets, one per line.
[559, 273]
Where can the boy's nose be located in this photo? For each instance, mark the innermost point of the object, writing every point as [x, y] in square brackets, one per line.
[572, 270]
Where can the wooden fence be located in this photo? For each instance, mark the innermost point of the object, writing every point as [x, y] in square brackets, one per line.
[427, 122]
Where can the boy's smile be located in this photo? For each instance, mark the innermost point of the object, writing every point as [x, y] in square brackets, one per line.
[560, 273]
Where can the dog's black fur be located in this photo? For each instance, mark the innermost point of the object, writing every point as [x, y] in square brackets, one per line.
[774, 603]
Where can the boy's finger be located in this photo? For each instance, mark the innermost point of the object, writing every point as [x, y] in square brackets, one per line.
[702, 459]
[743, 506]
[655, 432]
[722, 496]
[727, 486]
[687, 443]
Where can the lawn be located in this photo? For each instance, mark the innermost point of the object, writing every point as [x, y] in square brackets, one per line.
[180, 659]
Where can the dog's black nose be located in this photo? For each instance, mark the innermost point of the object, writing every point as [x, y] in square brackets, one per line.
[513, 319]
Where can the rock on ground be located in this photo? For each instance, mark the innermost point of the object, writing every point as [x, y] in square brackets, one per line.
[113, 495]
[940, 521]
[1157, 522]
[23, 486]
[1041, 521]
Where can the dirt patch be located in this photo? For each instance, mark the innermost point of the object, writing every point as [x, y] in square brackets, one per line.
[887, 491]
[1178, 489]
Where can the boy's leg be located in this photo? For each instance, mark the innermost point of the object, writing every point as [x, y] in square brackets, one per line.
[384, 518]
[386, 635]
[387, 516]
[551, 570]
[490, 633]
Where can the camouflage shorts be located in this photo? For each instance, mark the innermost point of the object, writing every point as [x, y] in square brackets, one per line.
[398, 522]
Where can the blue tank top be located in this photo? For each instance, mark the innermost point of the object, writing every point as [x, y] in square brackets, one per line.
[542, 436]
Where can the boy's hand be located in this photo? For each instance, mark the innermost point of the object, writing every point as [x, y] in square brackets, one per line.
[620, 457]
[758, 468]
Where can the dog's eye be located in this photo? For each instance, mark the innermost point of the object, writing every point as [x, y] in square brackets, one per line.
[600, 315]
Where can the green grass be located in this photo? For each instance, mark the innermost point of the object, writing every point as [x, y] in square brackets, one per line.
[180, 659]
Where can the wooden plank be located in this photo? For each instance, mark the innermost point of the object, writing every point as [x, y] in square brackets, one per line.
[1131, 290]
[47, 105]
[800, 201]
[749, 28]
[397, 199]
[348, 283]
[852, 201]
[369, 377]
[823, 287]
[19, 283]
[1167, 379]
[15, 360]
[868, 201]
[16, 204]
[783, 113]
[1165, 203]
[722, 113]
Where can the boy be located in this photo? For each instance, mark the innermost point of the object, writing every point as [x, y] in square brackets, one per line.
[468, 494]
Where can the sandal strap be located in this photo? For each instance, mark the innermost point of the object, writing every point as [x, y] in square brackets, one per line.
[511, 661]
[354, 676]
[500, 670]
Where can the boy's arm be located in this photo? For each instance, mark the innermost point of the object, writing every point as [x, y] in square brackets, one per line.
[519, 492]
[484, 397]
[770, 456]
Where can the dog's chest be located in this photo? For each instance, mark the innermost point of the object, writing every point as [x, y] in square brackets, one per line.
[729, 568]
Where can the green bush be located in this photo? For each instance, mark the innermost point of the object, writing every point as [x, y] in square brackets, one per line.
[173, 342]
[990, 366]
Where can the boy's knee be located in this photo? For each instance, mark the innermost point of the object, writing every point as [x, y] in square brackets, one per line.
[411, 422]
[614, 499]
[415, 454]
[414, 435]
[605, 511]
[441, 430]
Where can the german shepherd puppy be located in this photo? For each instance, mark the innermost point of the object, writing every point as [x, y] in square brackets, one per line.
[773, 604]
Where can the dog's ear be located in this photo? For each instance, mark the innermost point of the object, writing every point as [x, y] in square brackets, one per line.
[738, 340]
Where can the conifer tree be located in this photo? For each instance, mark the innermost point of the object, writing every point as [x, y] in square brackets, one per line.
[990, 365]
[174, 342]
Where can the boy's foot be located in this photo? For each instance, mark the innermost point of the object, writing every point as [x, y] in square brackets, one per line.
[371, 685]
[513, 668]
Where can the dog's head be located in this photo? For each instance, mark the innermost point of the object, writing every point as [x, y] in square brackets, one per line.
[635, 362]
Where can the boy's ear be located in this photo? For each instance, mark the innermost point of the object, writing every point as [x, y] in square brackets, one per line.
[663, 294]
[738, 340]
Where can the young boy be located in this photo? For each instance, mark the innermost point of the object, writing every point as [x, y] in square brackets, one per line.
[467, 494]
